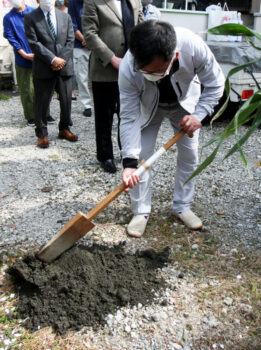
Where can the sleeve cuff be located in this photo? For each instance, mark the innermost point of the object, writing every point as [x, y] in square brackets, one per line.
[53, 59]
[130, 163]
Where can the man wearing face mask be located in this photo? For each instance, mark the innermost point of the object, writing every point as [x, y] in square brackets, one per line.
[50, 35]
[160, 77]
[62, 5]
[14, 33]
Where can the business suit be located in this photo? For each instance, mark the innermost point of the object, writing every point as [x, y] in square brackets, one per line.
[46, 48]
[103, 31]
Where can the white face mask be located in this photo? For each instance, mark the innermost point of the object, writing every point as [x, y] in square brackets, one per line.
[16, 3]
[152, 77]
[46, 5]
[157, 76]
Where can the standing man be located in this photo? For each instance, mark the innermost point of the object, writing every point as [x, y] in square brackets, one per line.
[50, 35]
[160, 77]
[80, 57]
[106, 27]
[14, 33]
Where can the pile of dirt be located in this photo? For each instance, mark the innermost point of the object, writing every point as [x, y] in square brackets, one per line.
[84, 285]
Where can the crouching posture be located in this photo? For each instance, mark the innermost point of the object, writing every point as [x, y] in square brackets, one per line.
[161, 77]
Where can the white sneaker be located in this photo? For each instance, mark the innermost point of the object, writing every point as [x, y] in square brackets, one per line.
[190, 219]
[137, 225]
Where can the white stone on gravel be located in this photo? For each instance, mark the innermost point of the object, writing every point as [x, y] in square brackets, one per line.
[228, 301]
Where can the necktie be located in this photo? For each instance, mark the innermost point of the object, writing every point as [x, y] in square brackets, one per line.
[127, 19]
[50, 25]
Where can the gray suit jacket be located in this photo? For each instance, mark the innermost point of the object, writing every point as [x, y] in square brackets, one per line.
[103, 32]
[45, 47]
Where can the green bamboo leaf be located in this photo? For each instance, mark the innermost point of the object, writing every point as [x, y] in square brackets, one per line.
[220, 111]
[227, 87]
[242, 154]
[257, 96]
[244, 115]
[233, 29]
[206, 162]
[250, 42]
[244, 138]
[241, 67]
[213, 140]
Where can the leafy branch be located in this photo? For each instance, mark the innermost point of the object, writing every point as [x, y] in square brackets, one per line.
[250, 111]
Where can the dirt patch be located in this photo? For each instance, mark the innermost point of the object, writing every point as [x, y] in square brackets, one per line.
[84, 285]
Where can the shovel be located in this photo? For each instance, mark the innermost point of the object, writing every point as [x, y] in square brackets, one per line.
[81, 224]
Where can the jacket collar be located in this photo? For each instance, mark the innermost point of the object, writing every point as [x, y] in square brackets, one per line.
[112, 6]
[43, 23]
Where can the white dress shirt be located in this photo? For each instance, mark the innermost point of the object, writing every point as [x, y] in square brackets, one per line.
[53, 19]
[118, 5]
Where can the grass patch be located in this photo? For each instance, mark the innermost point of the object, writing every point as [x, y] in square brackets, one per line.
[4, 97]
[233, 275]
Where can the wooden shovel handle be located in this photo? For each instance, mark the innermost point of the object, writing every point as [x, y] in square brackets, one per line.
[105, 202]
[117, 191]
[174, 139]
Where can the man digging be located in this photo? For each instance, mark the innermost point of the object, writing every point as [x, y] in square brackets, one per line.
[161, 76]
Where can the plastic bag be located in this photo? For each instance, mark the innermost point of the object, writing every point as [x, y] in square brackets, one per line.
[217, 16]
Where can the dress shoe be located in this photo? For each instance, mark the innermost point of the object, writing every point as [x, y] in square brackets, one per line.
[109, 166]
[50, 120]
[74, 98]
[87, 112]
[191, 220]
[67, 135]
[43, 142]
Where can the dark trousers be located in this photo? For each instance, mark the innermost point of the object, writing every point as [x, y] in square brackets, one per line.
[106, 102]
[43, 91]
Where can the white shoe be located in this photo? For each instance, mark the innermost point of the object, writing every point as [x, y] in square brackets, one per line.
[190, 219]
[137, 225]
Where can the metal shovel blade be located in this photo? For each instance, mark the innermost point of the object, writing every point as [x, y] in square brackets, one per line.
[76, 228]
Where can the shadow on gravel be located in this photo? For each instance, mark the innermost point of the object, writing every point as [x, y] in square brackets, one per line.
[84, 285]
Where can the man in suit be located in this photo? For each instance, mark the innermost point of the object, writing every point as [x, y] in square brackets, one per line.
[106, 25]
[50, 35]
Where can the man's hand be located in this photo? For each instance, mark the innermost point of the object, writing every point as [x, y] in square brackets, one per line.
[58, 63]
[190, 124]
[84, 44]
[115, 62]
[129, 179]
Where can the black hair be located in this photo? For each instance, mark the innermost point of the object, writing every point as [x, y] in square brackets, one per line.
[150, 39]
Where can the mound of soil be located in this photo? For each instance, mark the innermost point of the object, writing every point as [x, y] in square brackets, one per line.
[84, 285]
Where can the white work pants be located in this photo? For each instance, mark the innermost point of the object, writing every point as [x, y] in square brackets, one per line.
[81, 66]
[187, 161]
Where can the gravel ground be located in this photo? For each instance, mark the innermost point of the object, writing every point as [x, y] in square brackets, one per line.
[41, 189]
